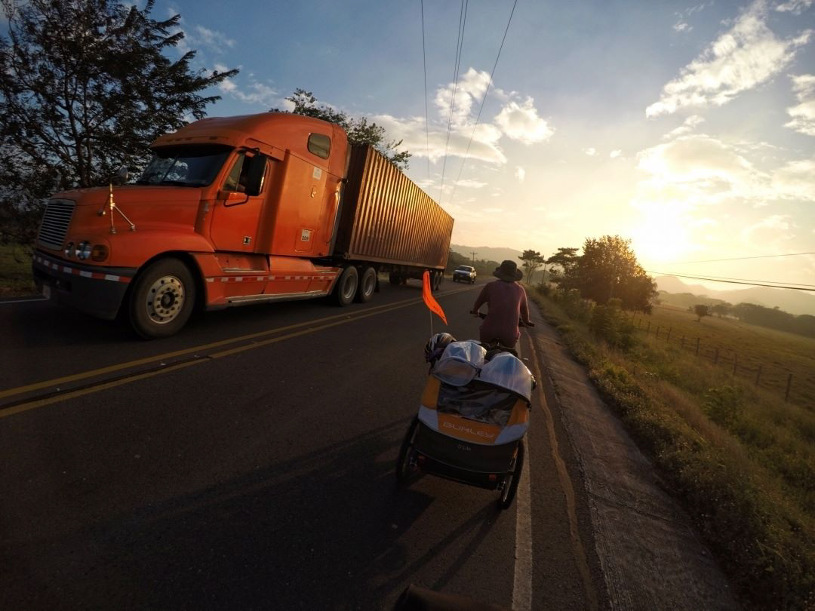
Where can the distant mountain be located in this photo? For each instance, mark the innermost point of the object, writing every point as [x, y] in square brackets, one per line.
[793, 302]
[487, 253]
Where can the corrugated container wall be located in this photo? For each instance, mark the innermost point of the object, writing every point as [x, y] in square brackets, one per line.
[386, 218]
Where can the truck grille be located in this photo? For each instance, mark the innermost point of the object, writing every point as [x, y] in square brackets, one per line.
[55, 223]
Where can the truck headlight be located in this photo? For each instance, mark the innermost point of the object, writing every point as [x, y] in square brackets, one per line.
[83, 250]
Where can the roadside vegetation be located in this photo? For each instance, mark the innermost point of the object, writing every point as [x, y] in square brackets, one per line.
[739, 458]
[15, 271]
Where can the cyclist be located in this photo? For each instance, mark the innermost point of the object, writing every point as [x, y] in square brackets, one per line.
[506, 307]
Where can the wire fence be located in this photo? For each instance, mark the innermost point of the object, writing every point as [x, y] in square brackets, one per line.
[773, 378]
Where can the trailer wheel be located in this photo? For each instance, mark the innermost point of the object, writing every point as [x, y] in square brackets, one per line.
[437, 278]
[406, 472]
[367, 285]
[162, 299]
[346, 286]
[511, 479]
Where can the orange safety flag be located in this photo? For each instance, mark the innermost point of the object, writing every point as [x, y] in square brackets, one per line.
[429, 300]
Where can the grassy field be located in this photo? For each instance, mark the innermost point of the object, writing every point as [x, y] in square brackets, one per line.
[738, 456]
[15, 272]
[754, 354]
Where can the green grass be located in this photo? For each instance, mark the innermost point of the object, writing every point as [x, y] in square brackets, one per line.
[738, 457]
[15, 271]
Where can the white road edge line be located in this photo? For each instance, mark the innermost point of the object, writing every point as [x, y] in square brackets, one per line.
[522, 588]
[12, 301]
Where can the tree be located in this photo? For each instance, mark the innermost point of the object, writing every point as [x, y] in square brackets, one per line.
[84, 88]
[607, 269]
[532, 260]
[565, 258]
[359, 131]
[701, 310]
[721, 308]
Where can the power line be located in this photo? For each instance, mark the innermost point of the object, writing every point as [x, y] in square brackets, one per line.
[462, 23]
[426, 114]
[483, 99]
[765, 283]
[790, 254]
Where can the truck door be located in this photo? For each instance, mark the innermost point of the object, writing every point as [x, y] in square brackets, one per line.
[236, 213]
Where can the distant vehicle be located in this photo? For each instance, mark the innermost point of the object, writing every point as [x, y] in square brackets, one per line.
[240, 210]
[464, 273]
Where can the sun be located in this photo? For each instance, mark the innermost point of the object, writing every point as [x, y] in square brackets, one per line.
[660, 236]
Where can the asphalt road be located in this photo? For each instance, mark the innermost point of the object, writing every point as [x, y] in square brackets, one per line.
[247, 463]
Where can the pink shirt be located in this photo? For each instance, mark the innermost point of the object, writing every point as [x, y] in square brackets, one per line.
[506, 303]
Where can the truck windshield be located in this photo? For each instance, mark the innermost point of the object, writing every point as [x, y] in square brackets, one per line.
[190, 165]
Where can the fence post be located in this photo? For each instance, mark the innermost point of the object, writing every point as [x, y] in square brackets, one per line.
[758, 374]
[697, 345]
[648, 330]
[669, 334]
[787, 393]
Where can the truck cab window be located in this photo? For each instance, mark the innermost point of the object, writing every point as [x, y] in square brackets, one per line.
[247, 174]
[320, 145]
[190, 165]
[236, 181]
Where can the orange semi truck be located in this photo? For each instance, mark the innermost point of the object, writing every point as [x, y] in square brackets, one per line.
[239, 210]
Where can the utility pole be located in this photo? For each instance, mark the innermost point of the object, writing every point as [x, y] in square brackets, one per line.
[473, 254]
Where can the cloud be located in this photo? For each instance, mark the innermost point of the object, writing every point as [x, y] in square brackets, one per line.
[211, 39]
[796, 7]
[744, 57]
[615, 153]
[803, 115]
[688, 125]
[796, 180]
[470, 88]
[771, 230]
[521, 122]
[701, 170]
[591, 151]
[520, 174]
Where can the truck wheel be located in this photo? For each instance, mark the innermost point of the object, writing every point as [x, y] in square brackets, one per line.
[346, 286]
[162, 299]
[367, 285]
[437, 278]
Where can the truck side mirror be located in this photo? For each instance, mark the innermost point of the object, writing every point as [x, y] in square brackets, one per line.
[256, 174]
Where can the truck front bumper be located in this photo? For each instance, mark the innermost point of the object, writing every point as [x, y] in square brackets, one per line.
[98, 291]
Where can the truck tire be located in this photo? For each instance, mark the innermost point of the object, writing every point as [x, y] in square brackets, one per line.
[437, 278]
[161, 299]
[367, 285]
[347, 285]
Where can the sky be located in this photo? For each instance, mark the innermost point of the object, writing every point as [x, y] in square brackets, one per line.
[686, 127]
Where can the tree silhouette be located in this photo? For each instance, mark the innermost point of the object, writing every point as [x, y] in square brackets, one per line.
[359, 131]
[84, 88]
[532, 260]
[608, 269]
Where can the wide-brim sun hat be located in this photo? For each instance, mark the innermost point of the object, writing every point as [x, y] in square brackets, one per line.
[508, 271]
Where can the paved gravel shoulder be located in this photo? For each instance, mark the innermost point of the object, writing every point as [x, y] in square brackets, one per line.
[651, 558]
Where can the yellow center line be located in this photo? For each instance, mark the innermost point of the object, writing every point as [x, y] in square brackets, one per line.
[56, 382]
[333, 321]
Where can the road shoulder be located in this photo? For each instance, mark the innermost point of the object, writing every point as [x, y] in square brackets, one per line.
[650, 555]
